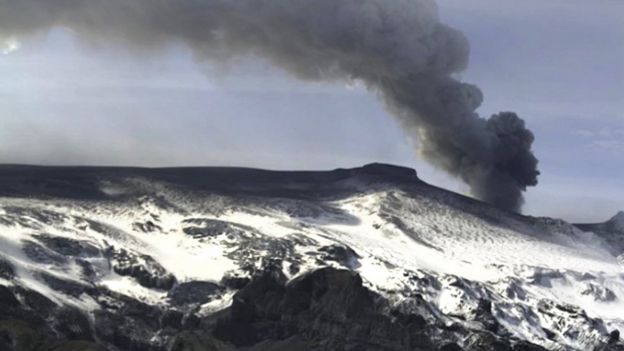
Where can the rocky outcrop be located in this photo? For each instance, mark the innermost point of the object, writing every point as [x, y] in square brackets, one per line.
[328, 309]
[147, 271]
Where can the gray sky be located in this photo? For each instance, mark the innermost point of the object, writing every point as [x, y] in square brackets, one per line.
[556, 63]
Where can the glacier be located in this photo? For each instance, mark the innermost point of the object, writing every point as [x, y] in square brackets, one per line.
[166, 259]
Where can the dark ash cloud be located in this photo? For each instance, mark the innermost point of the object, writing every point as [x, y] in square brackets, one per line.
[398, 49]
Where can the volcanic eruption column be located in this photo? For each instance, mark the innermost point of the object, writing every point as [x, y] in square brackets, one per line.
[398, 49]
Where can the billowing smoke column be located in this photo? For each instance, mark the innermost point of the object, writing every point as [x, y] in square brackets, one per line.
[397, 48]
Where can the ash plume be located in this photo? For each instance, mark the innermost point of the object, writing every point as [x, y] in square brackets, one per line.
[398, 49]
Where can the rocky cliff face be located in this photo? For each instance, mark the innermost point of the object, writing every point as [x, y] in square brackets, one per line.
[237, 259]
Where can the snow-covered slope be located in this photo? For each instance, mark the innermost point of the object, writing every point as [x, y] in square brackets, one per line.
[186, 240]
[611, 232]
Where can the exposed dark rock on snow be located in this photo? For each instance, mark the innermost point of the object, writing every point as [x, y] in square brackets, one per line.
[68, 247]
[325, 310]
[148, 272]
[40, 254]
[193, 293]
[340, 254]
[6, 270]
[370, 258]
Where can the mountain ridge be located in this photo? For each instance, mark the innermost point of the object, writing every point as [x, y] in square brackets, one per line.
[177, 258]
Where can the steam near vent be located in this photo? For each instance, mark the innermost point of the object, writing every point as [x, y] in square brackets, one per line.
[398, 49]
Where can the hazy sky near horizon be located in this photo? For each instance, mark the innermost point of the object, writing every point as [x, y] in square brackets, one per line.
[558, 64]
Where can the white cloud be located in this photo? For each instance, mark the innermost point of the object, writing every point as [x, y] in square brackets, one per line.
[603, 139]
[609, 145]
[584, 133]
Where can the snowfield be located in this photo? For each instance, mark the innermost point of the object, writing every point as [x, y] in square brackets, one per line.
[142, 234]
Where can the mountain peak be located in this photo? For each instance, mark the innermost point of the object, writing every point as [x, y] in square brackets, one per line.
[386, 170]
[618, 220]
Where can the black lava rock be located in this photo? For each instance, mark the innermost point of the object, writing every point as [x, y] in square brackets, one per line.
[195, 292]
[328, 309]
